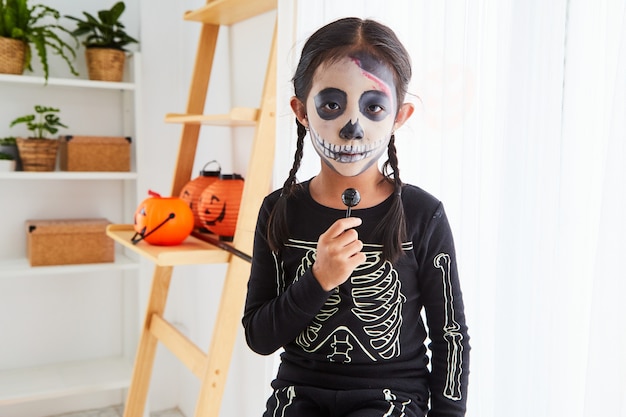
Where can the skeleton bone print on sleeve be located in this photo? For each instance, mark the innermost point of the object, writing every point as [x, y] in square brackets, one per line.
[451, 334]
[376, 302]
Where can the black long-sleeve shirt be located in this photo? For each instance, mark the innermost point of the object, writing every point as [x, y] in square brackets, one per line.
[368, 332]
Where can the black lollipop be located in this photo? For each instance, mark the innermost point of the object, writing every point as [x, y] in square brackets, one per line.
[350, 198]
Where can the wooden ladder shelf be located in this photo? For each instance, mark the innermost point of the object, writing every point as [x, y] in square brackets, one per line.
[210, 367]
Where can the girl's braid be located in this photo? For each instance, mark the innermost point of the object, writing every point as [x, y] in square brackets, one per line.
[289, 185]
[277, 228]
[392, 228]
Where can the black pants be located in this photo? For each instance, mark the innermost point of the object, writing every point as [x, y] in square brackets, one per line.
[314, 402]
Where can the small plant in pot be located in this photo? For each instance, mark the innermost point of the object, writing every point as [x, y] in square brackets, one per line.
[38, 152]
[23, 27]
[7, 162]
[105, 42]
[8, 146]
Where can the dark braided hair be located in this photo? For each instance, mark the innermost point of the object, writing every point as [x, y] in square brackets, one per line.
[277, 230]
[341, 38]
[392, 227]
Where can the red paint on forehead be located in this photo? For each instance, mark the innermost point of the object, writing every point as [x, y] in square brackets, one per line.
[382, 85]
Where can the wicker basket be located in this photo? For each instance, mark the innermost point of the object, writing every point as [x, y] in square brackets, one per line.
[12, 56]
[68, 241]
[38, 154]
[104, 64]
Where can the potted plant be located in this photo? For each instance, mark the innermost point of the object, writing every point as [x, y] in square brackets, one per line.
[8, 146]
[7, 162]
[22, 27]
[37, 152]
[105, 42]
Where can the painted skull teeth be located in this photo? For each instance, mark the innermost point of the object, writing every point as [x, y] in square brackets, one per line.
[346, 153]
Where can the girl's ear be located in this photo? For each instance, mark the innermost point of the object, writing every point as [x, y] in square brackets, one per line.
[299, 109]
[406, 110]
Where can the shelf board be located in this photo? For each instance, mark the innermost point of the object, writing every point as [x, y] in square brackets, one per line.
[21, 267]
[192, 251]
[67, 175]
[227, 12]
[238, 116]
[50, 381]
[66, 82]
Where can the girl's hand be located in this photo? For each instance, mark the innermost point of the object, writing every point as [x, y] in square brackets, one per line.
[338, 253]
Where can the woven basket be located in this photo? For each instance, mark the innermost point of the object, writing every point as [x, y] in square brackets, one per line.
[38, 154]
[12, 56]
[105, 64]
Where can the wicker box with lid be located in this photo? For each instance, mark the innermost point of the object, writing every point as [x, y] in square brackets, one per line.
[94, 153]
[68, 241]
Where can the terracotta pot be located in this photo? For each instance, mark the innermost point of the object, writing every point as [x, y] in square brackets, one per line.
[105, 64]
[12, 53]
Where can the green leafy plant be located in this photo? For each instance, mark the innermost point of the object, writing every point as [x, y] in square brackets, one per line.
[106, 31]
[45, 121]
[37, 26]
[8, 141]
[8, 146]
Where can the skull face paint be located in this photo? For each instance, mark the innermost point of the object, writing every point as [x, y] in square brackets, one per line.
[351, 112]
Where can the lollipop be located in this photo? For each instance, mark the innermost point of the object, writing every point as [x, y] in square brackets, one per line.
[350, 198]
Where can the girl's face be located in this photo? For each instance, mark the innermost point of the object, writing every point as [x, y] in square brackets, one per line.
[351, 113]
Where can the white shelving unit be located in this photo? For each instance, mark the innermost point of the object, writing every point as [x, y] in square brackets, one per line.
[14, 268]
[59, 175]
[38, 368]
[68, 82]
[63, 379]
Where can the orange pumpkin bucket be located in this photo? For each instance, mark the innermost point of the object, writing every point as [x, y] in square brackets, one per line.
[219, 205]
[164, 221]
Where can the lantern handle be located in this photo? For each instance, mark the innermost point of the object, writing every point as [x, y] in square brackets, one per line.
[203, 170]
[136, 240]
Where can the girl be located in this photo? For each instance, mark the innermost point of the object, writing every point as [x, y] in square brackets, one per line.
[343, 295]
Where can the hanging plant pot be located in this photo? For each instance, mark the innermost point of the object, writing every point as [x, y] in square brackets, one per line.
[12, 53]
[219, 205]
[38, 154]
[192, 191]
[105, 64]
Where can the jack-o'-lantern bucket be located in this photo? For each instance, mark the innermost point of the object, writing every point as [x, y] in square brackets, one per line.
[191, 192]
[164, 221]
[219, 205]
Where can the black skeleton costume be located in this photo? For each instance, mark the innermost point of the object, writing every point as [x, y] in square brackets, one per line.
[368, 332]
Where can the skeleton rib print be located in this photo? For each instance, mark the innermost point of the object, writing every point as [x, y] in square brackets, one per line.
[377, 303]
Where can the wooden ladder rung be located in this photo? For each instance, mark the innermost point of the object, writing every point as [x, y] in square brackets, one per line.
[177, 343]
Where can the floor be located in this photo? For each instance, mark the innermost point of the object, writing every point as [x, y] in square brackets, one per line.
[118, 411]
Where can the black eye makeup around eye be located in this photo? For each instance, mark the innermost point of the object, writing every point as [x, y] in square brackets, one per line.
[374, 98]
[330, 96]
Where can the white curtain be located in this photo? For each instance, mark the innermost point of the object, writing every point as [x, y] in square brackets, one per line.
[520, 131]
